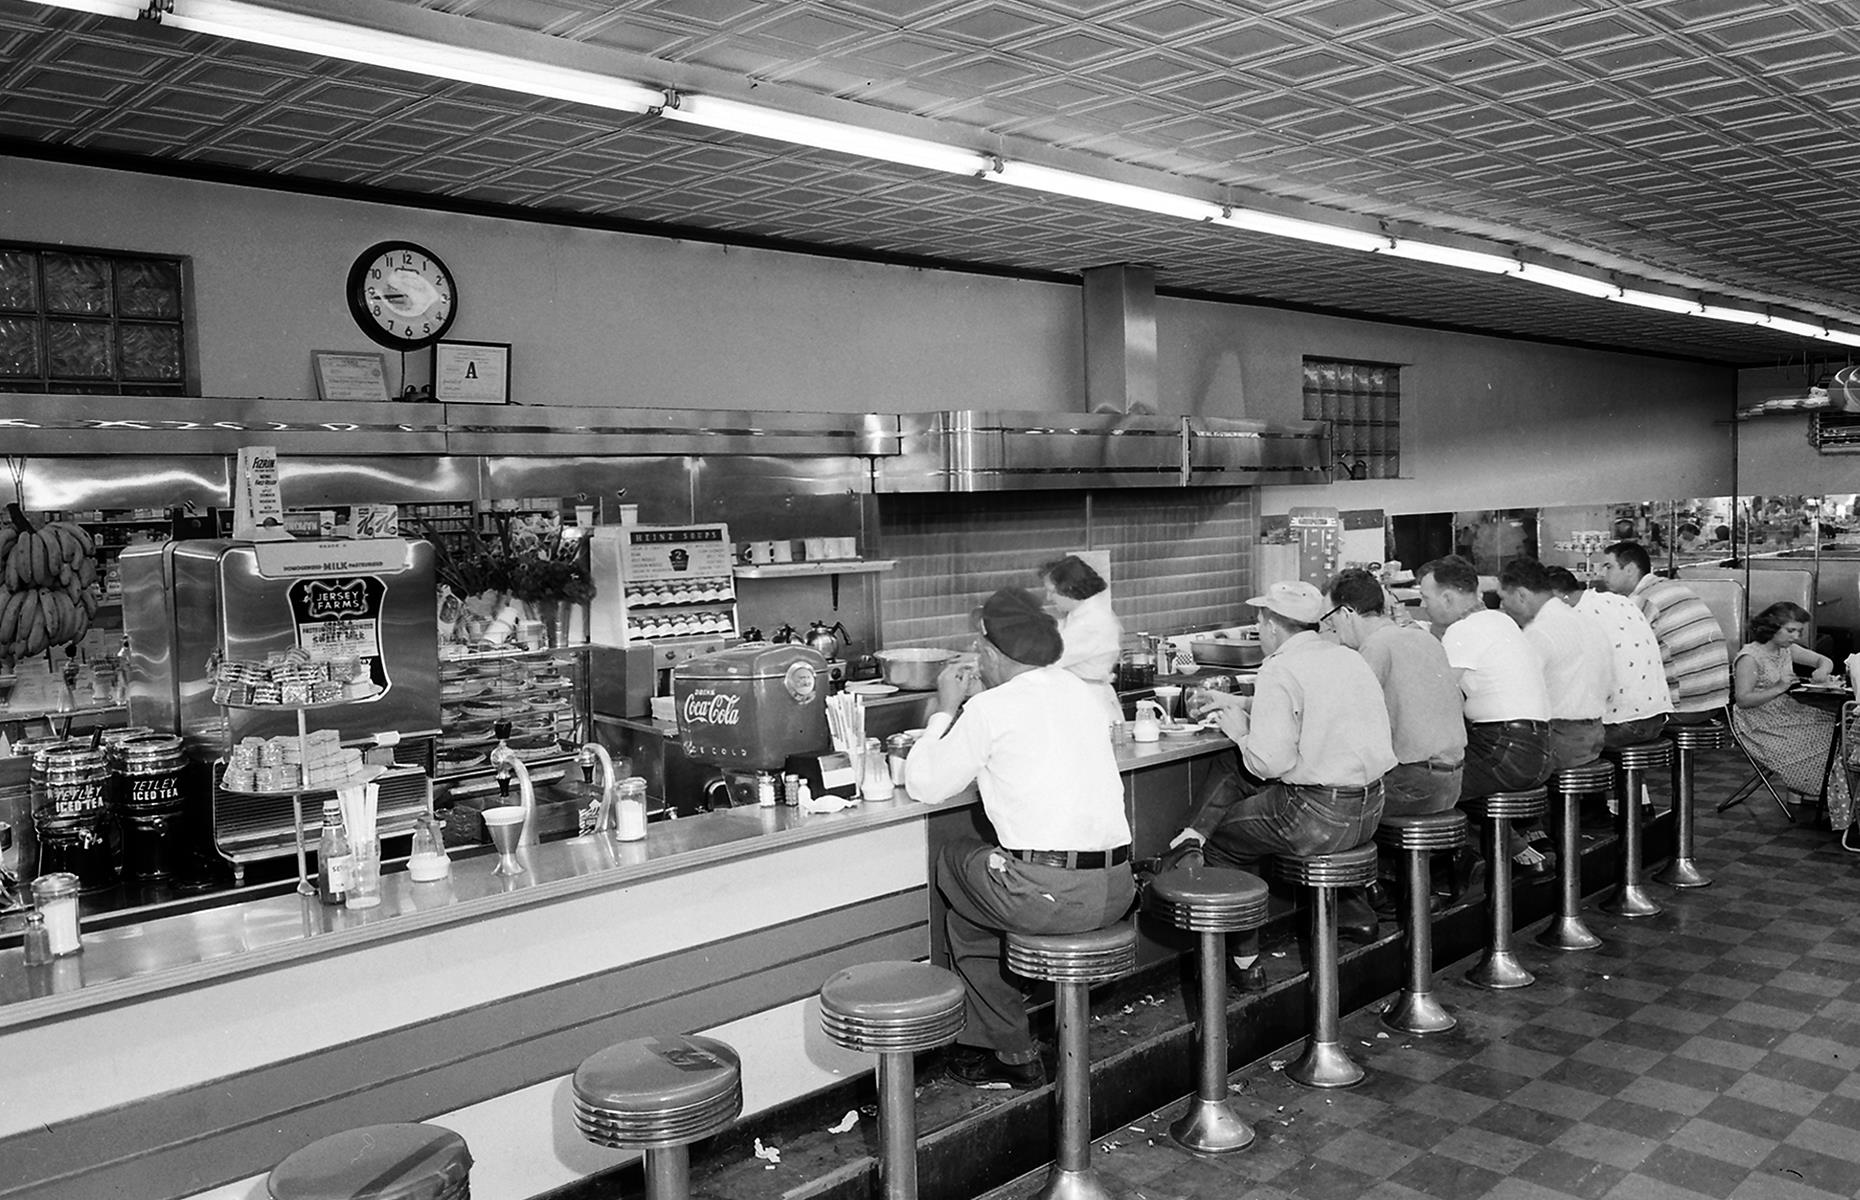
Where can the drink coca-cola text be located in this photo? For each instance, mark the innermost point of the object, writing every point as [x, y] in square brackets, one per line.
[710, 708]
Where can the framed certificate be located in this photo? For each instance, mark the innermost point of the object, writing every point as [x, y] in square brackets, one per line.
[471, 372]
[350, 375]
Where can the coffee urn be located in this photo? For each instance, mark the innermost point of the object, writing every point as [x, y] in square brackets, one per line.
[747, 710]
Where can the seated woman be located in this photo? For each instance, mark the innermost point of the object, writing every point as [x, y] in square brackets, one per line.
[1786, 736]
[1093, 635]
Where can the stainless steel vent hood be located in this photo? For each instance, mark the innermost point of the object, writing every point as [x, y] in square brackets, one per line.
[984, 451]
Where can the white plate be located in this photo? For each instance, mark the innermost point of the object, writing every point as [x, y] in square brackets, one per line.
[871, 689]
[1188, 730]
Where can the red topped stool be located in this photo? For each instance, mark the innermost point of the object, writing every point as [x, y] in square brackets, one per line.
[376, 1162]
[1499, 968]
[1210, 902]
[1630, 897]
[1566, 931]
[1416, 1010]
[893, 1010]
[1072, 962]
[658, 1095]
[1687, 740]
[1325, 1064]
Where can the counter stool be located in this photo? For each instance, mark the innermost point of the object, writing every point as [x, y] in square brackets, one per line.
[658, 1095]
[1416, 1010]
[1630, 897]
[1566, 930]
[1324, 1064]
[376, 1161]
[1688, 740]
[893, 1010]
[1499, 968]
[1073, 962]
[1210, 902]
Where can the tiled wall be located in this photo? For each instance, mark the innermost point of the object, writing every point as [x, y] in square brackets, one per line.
[1180, 560]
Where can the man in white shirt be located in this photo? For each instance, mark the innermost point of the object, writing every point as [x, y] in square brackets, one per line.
[1638, 705]
[1579, 660]
[1032, 740]
[1507, 707]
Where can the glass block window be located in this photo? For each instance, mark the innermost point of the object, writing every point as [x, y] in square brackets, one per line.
[1361, 402]
[91, 321]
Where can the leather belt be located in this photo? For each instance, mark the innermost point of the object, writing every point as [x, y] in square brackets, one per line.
[1442, 768]
[1531, 725]
[1073, 860]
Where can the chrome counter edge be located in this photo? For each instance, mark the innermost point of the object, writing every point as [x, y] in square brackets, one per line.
[130, 962]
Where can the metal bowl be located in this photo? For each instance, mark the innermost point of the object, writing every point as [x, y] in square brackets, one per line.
[914, 667]
[1226, 652]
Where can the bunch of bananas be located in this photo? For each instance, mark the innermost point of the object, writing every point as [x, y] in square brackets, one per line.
[47, 573]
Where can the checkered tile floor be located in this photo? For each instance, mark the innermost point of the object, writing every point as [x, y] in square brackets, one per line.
[1710, 1053]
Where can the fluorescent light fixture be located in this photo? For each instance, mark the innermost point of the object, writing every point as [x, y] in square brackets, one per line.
[1736, 316]
[398, 52]
[1567, 281]
[1451, 256]
[1090, 187]
[1671, 304]
[128, 10]
[718, 113]
[1803, 328]
[1841, 336]
[1255, 221]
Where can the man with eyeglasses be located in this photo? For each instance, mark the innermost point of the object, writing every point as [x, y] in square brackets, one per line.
[1419, 686]
[1314, 745]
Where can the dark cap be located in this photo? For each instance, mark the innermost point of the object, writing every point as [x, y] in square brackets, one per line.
[1019, 627]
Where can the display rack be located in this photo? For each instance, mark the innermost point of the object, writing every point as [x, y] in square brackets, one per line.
[544, 692]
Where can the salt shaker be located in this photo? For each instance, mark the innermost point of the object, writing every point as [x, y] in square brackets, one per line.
[38, 945]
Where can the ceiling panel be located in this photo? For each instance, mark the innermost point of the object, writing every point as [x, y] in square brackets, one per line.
[1711, 141]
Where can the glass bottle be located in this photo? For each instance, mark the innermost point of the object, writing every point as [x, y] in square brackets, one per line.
[426, 860]
[335, 860]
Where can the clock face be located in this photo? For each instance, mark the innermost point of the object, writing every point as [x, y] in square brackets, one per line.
[402, 295]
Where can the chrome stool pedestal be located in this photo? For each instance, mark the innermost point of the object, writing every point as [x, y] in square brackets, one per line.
[1325, 1064]
[1499, 968]
[1566, 931]
[1416, 1010]
[1630, 897]
[1683, 871]
[1210, 902]
[893, 1010]
[658, 1095]
[1072, 962]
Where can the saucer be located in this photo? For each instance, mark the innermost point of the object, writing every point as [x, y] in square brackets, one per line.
[872, 689]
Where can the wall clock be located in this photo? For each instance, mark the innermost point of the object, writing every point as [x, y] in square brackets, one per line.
[402, 295]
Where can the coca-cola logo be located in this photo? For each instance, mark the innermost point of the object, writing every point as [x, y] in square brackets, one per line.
[711, 708]
[329, 601]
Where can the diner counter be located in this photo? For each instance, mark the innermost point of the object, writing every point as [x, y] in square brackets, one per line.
[182, 1055]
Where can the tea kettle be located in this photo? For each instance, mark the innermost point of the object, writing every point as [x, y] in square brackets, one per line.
[784, 635]
[825, 640]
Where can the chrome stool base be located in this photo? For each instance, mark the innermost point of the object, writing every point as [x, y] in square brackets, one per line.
[1630, 898]
[1499, 968]
[1325, 1065]
[1566, 932]
[1211, 1127]
[1682, 873]
[1415, 1010]
[1418, 1012]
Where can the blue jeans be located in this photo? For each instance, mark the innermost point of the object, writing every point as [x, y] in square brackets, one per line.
[1505, 756]
[1420, 789]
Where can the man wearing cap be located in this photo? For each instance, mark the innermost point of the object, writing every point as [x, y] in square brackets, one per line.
[1315, 743]
[1032, 738]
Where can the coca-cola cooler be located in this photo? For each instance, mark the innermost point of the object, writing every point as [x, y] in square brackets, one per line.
[752, 707]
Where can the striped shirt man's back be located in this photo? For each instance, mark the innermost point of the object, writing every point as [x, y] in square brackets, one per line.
[1692, 647]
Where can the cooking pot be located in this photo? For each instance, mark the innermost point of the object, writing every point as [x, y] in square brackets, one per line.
[1226, 652]
[914, 667]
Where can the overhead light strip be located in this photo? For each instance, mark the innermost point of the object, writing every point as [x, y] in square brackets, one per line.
[249, 22]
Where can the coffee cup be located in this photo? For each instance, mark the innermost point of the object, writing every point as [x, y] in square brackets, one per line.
[1167, 695]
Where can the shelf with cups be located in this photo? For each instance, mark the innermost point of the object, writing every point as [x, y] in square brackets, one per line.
[831, 566]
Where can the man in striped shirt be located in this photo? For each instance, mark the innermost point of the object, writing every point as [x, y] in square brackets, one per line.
[1692, 648]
